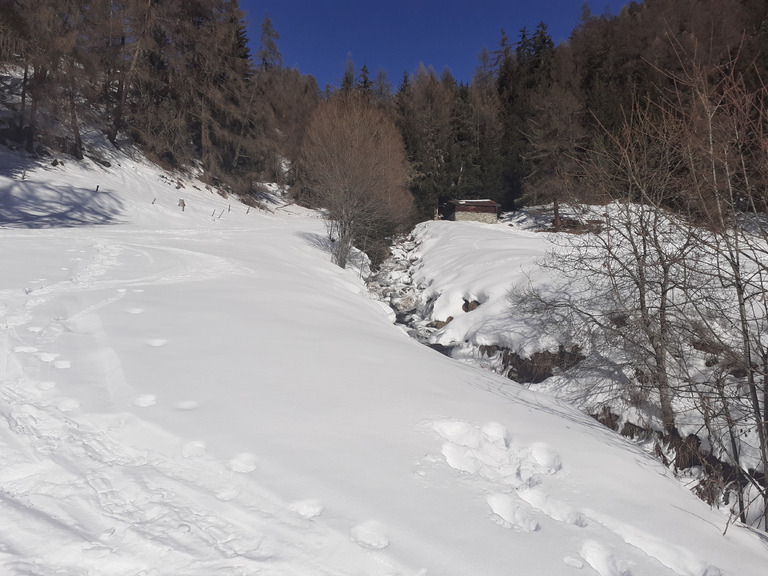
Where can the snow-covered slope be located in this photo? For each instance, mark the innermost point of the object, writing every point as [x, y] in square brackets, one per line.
[203, 392]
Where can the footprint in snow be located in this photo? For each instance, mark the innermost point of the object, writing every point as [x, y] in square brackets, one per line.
[555, 509]
[511, 514]
[602, 560]
[35, 329]
[370, 534]
[307, 508]
[95, 551]
[62, 364]
[573, 562]
[68, 404]
[25, 349]
[157, 342]
[193, 449]
[46, 385]
[134, 310]
[187, 405]
[145, 400]
[243, 463]
[547, 458]
[47, 356]
[226, 494]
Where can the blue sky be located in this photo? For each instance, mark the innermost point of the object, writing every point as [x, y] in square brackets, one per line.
[396, 35]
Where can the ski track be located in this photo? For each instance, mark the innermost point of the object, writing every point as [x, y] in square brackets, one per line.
[77, 496]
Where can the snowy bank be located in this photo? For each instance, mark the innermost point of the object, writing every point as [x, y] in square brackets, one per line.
[203, 392]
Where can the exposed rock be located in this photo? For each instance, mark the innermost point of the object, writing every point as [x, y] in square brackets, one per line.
[488, 350]
[100, 161]
[440, 324]
[607, 418]
[630, 430]
[540, 365]
[687, 452]
[446, 350]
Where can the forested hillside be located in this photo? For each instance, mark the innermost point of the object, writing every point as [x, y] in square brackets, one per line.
[179, 79]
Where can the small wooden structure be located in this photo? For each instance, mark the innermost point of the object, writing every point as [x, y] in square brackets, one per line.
[472, 210]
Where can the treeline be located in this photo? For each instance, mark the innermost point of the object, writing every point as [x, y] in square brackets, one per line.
[533, 110]
[175, 77]
[179, 79]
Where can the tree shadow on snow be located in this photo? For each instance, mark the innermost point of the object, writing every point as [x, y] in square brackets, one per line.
[266, 197]
[47, 204]
[30, 205]
[322, 243]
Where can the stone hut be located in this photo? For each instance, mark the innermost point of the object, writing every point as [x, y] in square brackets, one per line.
[473, 210]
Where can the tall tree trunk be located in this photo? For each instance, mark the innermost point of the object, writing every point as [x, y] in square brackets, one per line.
[77, 145]
[36, 87]
[22, 109]
[117, 113]
[126, 77]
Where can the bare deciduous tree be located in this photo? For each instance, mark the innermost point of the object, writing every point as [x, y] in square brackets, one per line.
[726, 152]
[354, 163]
[675, 282]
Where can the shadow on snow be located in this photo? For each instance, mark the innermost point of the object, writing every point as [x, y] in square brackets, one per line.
[28, 204]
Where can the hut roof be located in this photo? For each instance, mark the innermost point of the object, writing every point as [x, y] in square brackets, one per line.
[485, 203]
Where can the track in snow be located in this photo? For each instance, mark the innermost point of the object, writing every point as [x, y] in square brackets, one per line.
[95, 493]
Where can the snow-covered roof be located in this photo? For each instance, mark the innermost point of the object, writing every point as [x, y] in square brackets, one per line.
[481, 202]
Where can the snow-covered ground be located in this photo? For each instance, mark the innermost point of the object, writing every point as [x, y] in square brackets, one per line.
[445, 265]
[203, 392]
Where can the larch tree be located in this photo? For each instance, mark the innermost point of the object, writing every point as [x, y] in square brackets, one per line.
[268, 55]
[424, 110]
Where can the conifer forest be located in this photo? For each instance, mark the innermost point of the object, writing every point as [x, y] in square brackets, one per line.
[179, 80]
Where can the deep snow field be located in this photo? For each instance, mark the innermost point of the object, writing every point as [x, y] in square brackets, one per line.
[202, 392]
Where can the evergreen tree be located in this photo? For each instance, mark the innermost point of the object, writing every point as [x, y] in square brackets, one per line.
[364, 84]
[502, 52]
[382, 90]
[462, 159]
[521, 76]
[487, 135]
[348, 79]
[424, 120]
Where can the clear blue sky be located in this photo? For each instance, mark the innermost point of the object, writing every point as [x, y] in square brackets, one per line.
[396, 35]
